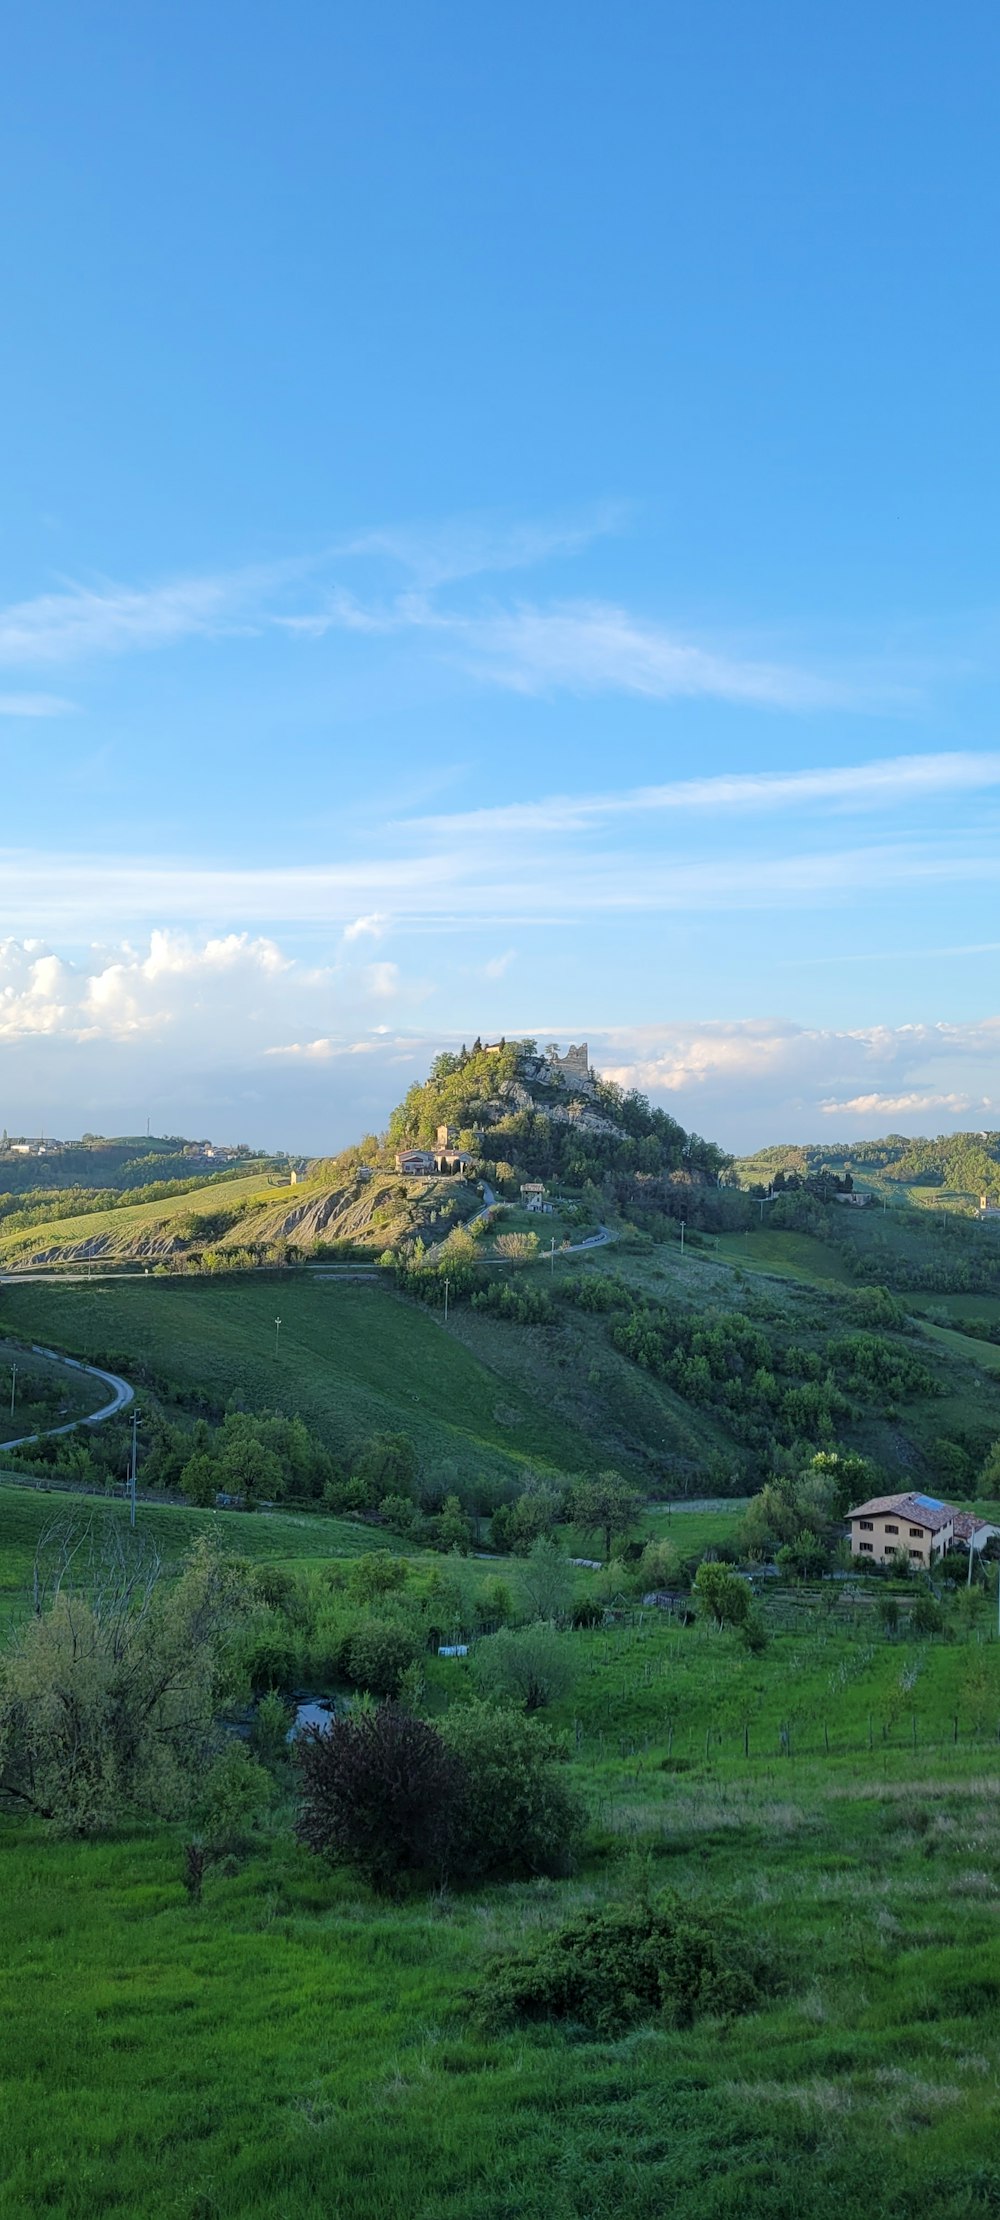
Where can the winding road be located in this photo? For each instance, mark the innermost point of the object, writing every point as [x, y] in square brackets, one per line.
[122, 1395]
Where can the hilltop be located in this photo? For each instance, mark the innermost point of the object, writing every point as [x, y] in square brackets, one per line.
[509, 1114]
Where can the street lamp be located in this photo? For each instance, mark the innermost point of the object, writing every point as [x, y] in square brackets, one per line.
[277, 1330]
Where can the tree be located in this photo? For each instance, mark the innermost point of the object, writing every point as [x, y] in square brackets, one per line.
[517, 1248]
[377, 1654]
[109, 1693]
[376, 1574]
[387, 1465]
[201, 1479]
[545, 1580]
[248, 1467]
[380, 1791]
[453, 1528]
[605, 1506]
[517, 1817]
[531, 1666]
[722, 1595]
[988, 1481]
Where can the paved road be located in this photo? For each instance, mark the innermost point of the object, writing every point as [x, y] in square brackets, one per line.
[122, 1395]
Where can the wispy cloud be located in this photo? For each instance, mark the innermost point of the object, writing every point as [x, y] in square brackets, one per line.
[519, 883]
[35, 705]
[595, 648]
[859, 786]
[581, 646]
[82, 621]
[442, 553]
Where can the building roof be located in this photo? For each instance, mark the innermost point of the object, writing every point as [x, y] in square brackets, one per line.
[921, 1510]
[967, 1524]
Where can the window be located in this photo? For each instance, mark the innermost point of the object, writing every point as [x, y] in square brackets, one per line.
[892, 1530]
[917, 1531]
[917, 1553]
[868, 1546]
[867, 1526]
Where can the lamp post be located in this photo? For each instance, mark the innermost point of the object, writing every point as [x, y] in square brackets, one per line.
[447, 1284]
[13, 1387]
[277, 1330]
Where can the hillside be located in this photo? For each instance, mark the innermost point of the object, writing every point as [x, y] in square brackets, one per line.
[961, 1165]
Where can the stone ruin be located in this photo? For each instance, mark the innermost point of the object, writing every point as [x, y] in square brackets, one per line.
[573, 1069]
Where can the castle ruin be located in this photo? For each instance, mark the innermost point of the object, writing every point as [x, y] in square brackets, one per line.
[573, 1069]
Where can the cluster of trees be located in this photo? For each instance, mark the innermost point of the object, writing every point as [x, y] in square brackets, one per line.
[771, 1391]
[475, 1797]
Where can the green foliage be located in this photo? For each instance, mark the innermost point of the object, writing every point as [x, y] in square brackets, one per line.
[379, 1791]
[545, 1581]
[377, 1653]
[376, 1575]
[386, 1464]
[517, 1817]
[453, 1528]
[109, 1694]
[517, 1526]
[722, 1596]
[531, 1666]
[607, 1970]
[607, 1506]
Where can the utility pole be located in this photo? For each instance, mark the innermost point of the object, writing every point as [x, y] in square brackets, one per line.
[682, 1235]
[552, 1257]
[13, 1386]
[132, 1474]
[277, 1330]
[447, 1284]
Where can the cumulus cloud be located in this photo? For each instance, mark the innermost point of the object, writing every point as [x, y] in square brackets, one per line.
[754, 1080]
[372, 927]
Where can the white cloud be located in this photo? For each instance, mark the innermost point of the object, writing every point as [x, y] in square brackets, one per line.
[372, 927]
[900, 1106]
[35, 705]
[498, 966]
[383, 980]
[752, 1080]
[884, 784]
[596, 647]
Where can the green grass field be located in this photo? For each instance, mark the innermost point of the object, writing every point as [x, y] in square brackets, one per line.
[292, 2046]
[266, 1537]
[351, 1360]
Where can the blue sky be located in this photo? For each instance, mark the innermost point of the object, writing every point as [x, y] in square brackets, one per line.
[497, 533]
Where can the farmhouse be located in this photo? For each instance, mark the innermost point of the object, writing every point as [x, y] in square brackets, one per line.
[416, 1163]
[917, 1526]
[534, 1195]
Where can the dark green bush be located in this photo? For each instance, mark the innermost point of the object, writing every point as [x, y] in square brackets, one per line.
[517, 1817]
[376, 1654]
[608, 1970]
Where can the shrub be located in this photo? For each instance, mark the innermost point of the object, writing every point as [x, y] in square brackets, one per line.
[531, 1666]
[722, 1595]
[376, 1654]
[607, 1970]
[379, 1791]
[926, 1616]
[517, 1817]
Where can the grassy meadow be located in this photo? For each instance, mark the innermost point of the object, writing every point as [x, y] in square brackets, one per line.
[292, 2045]
[350, 1359]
